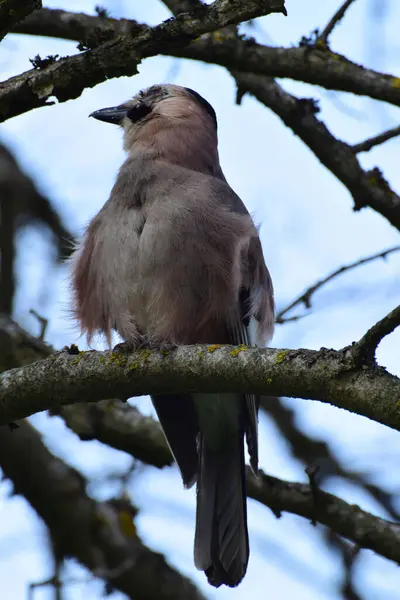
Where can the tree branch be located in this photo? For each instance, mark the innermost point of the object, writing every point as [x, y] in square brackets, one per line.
[338, 16]
[350, 521]
[78, 27]
[368, 188]
[305, 297]
[315, 452]
[92, 532]
[364, 351]
[109, 421]
[120, 426]
[68, 77]
[28, 204]
[13, 11]
[306, 63]
[376, 140]
[325, 375]
[347, 520]
[180, 6]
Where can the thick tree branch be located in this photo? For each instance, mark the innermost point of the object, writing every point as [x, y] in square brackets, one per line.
[305, 297]
[120, 426]
[68, 77]
[308, 62]
[13, 11]
[368, 188]
[92, 532]
[325, 375]
[76, 26]
[109, 421]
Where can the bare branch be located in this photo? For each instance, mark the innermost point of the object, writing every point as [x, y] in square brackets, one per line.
[68, 77]
[120, 426]
[77, 26]
[27, 204]
[366, 530]
[364, 351]
[305, 297]
[325, 375]
[92, 532]
[180, 6]
[305, 63]
[368, 188]
[109, 422]
[43, 323]
[338, 16]
[350, 521]
[376, 140]
[7, 244]
[13, 11]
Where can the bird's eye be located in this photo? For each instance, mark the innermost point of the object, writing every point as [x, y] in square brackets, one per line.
[138, 112]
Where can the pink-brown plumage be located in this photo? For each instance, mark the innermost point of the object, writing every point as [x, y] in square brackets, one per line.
[174, 257]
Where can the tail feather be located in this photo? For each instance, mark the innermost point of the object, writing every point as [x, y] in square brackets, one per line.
[221, 540]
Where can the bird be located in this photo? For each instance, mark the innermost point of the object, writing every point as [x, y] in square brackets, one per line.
[174, 258]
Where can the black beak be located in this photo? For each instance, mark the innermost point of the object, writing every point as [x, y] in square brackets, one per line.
[113, 115]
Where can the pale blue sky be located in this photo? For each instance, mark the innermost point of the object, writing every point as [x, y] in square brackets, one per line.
[308, 228]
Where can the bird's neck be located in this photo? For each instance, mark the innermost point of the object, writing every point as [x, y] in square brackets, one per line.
[190, 146]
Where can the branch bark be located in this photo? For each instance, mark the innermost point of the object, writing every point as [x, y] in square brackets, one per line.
[368, 188]
[364, 352]
[111, 421]
[309, 62]
[13, 11]
[66, 78]
[305, 63]
[326, 375]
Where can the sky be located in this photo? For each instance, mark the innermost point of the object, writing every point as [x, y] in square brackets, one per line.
[307, 229]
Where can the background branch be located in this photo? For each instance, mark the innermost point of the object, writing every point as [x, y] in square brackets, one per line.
[92, 531]
[305, 297]
[376, 140]
[364, 351]
[13, 11]
[68, 77]
[368, 188]
[338, 16]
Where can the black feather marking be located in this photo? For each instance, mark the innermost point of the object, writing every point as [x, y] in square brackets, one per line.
[245, 306]
[205, 104]
[138, 112]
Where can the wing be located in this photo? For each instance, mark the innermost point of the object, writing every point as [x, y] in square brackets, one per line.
[253, 325]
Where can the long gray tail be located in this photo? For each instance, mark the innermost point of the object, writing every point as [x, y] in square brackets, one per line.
[221, 547]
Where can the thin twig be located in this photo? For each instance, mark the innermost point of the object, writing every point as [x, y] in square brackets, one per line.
[338, 16]
[376, 140]
[43, 323]
[364, 351]
[305, 297]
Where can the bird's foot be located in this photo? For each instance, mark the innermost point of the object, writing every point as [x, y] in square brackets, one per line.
[143, 344]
